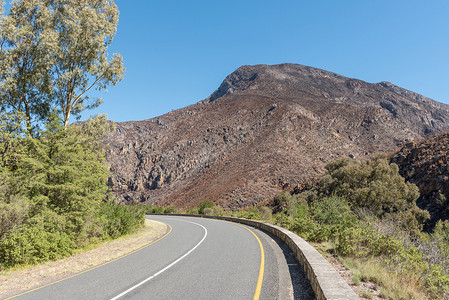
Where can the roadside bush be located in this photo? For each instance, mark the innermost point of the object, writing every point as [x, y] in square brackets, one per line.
[218, 210]
[13, 214]
[193, 211]
[32, 245]
[40, 239]
[169, 210]
[158, 210]
[284, 200]
[265, 213]
[180, 211]
[204, 204]
[52, 191]
[373, 185]
[148, 208]
[121, 219]
[249, 213]
[208, 211]
[332, 210]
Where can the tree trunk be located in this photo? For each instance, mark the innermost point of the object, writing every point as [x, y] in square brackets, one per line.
[67, 117]
[28, 118]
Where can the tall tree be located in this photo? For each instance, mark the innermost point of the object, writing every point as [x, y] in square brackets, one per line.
[53, 52]
[25, 57]
[85, 29]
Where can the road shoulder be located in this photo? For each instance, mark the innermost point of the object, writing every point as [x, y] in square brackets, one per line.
[15, 281]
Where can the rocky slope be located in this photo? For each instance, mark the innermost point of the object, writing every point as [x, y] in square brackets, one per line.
[266, 128]
[426, 164]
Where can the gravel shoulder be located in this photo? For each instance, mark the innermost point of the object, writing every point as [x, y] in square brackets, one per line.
[15, 281]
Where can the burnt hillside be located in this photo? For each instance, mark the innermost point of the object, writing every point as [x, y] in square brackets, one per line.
[426, 164]
[266, 128]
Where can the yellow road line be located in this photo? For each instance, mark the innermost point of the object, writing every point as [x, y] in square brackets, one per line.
[95, 267]
[262, 261]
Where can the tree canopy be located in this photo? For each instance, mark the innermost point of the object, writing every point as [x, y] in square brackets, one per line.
[53, 52]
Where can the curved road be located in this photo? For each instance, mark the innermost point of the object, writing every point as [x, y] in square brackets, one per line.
[196, 259]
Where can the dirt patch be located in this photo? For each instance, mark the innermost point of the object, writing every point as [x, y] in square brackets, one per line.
[15, 281]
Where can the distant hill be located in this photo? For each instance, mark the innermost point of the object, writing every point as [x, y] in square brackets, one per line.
[265, 129]
[426, 164]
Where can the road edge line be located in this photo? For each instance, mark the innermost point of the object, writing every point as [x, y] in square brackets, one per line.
[262, 262]
[94, 267]
[167, 267]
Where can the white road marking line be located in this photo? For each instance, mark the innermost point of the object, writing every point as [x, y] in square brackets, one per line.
[167, 267]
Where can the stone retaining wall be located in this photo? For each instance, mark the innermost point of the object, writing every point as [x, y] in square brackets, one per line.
[325, 280]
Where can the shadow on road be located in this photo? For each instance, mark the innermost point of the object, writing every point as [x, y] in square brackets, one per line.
[301, 285]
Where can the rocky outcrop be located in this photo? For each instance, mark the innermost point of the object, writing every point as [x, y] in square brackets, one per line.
[426, 164]
[266, 128]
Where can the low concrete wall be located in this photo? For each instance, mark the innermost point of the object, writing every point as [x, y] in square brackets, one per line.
[325, 280]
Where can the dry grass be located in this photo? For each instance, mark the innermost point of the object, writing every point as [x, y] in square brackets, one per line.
[391, 285]
[370, 278]
[22, 279]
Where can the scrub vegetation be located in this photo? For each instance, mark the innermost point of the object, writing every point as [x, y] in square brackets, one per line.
[53, 192]
[364, 214]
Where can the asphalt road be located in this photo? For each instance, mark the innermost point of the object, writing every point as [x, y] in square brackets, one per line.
[197, 259]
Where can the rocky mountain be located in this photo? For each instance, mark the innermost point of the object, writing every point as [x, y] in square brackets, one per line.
[265, 129]
[426, 164]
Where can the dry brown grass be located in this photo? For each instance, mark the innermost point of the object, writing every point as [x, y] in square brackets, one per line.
[22, 279]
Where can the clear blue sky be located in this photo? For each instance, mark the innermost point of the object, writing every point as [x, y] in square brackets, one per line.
[178, 52]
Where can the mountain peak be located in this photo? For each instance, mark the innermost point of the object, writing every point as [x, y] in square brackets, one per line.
[266, 128]
[246, 77]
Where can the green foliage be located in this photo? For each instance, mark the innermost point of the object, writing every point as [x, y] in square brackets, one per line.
[153, 209]
[265, 213]
[208, 211]
[363, 240]
[373, 186]
[53, 192]
[39, 239]
[65, 173]
[193, 211]
[204, 204]
[322, 219]
[41, 66]
[284, 200]
[249, 213]
[13, 214]
[119, 220]
[332, 211]
[365, 209]
[218, 210]
[158, 210]
[169, 210]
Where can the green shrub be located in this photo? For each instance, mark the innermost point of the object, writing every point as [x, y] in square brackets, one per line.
[149, 209]
[252, 213]
[40, 239]
[169, 210]
[284, 200]
[373, 185]
[52, 191]
[192, 211]
[158, 210]
[331, 211]
[204, 204]
[218, 210]
[208, 211]
[265, 213]
[32, 245]
[121, 219]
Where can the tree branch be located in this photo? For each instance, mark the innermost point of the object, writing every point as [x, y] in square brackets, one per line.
[86, 90]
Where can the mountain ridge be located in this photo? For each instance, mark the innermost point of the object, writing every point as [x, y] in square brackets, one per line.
[265, 129]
